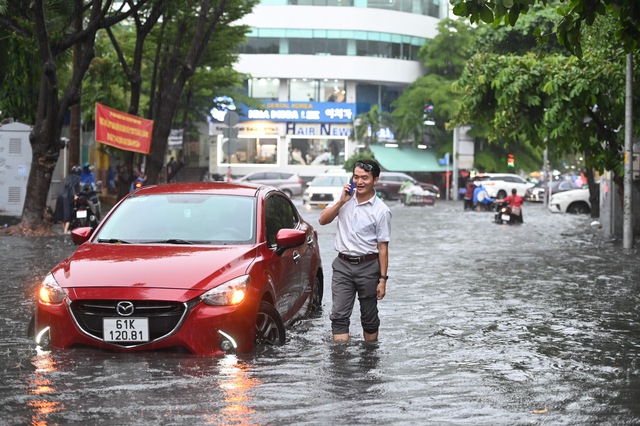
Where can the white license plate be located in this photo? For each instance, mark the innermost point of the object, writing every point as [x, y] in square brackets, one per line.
[126, 329]
[81, 214]
[506, 217]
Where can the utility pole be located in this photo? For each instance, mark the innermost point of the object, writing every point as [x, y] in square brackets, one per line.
[627, 229]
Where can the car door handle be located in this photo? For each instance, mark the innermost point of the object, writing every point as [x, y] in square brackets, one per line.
[296, 256]
[310, 241]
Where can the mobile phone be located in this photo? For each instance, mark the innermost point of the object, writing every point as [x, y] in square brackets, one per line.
[352, 187]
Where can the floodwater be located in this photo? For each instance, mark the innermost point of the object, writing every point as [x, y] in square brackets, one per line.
[482, 324]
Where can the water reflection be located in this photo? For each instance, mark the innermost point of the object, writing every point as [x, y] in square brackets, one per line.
[484, 324]
[40, 386]
[236, 384]
[353, 368]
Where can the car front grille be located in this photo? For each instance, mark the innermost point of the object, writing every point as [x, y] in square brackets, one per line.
[164, 317]
[322, 197]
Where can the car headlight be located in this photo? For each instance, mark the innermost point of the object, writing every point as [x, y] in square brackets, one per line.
[230, 293]
[50, 291]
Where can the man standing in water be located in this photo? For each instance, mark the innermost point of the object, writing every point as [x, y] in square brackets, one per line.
[362, 243]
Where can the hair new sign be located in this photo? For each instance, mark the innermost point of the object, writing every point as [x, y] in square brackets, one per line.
[122, 130]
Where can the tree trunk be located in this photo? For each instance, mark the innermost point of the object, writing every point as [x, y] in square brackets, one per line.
[173, 79]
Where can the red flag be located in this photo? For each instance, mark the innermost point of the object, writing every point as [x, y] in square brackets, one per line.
[122, 130]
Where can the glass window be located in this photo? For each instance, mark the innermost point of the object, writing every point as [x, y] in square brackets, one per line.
[333, 91]
[250, 151]
[316, 151]
[199, 218]
[303, 90]
[260, 45]
[264, 88]
[280, 214]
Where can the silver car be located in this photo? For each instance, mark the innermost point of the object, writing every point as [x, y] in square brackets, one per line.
[289, 183]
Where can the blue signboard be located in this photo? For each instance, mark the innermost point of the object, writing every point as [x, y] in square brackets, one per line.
[301, 112]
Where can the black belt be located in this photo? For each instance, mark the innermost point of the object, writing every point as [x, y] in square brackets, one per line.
[358, 259]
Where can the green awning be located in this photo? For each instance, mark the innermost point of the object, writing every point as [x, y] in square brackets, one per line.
[407, 159]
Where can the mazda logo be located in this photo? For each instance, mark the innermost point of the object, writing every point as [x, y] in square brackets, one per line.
[124, 309]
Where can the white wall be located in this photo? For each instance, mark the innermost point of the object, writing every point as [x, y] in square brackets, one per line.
[367, 69]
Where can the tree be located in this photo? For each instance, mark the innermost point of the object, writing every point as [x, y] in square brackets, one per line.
[571, 105]
[50, 26]
[444, 59]
[20, 77]
[368, 124]
[573, 14]
[565, 103]
[182, 47]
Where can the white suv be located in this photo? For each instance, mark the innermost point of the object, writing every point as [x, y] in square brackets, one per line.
[499, 185]
[324, 189]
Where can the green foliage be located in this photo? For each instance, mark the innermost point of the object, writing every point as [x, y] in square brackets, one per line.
[367, 125]
[444, 58]
[351, 161]
[567, 104]
[573, 14]
[533, 33]
[20, 78]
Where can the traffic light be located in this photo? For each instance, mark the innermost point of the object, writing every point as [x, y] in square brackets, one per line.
[511, 162]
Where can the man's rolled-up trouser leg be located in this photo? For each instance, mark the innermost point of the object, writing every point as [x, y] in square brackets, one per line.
[349, 280]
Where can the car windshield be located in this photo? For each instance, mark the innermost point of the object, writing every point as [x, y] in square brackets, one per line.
[330, 181]
[182, 219]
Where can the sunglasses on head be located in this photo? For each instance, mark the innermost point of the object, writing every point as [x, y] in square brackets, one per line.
[365, 167]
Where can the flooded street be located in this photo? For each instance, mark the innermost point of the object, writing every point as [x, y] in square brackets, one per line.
[482, 324]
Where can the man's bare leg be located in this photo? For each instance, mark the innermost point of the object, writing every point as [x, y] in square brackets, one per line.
[341, 337]
[370, 337]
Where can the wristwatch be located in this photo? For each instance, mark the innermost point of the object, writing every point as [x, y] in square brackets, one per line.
[384, 277]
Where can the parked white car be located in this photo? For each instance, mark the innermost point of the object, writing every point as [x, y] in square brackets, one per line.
[575, 201]
[324, 189]
[499, 185]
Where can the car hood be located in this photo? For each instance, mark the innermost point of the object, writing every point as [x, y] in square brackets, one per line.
[153, 266]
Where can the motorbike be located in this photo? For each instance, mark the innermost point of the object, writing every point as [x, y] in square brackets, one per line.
[503, 214]
[137, 183]
[86, 207]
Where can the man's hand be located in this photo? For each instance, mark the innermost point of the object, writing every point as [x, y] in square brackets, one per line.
[381, 290]
[345, 196]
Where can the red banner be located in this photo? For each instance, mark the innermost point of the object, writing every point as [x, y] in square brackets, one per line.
[122, 130]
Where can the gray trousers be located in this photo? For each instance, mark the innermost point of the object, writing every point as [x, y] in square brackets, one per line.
[347, 281]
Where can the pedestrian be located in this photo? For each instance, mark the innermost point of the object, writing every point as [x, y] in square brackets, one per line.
[171, 169]
[468, 194]
[111, 180]
[362, 243]
[87, 175]
[123, 181]
[481, 198]
[64, 202]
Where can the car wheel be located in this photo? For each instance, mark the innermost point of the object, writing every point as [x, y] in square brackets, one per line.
[269, 326]
[501, 195]
[288, 193]
[579, 208]
[31, 328]
[318, 290]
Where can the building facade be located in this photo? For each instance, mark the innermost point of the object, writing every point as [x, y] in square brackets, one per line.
[316, 64]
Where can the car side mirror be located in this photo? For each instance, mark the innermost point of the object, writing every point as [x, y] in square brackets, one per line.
[81, 235]
[287, 238]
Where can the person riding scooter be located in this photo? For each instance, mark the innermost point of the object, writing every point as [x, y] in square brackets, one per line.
[515, 204]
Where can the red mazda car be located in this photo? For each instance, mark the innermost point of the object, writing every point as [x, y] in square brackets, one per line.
[209, 267]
